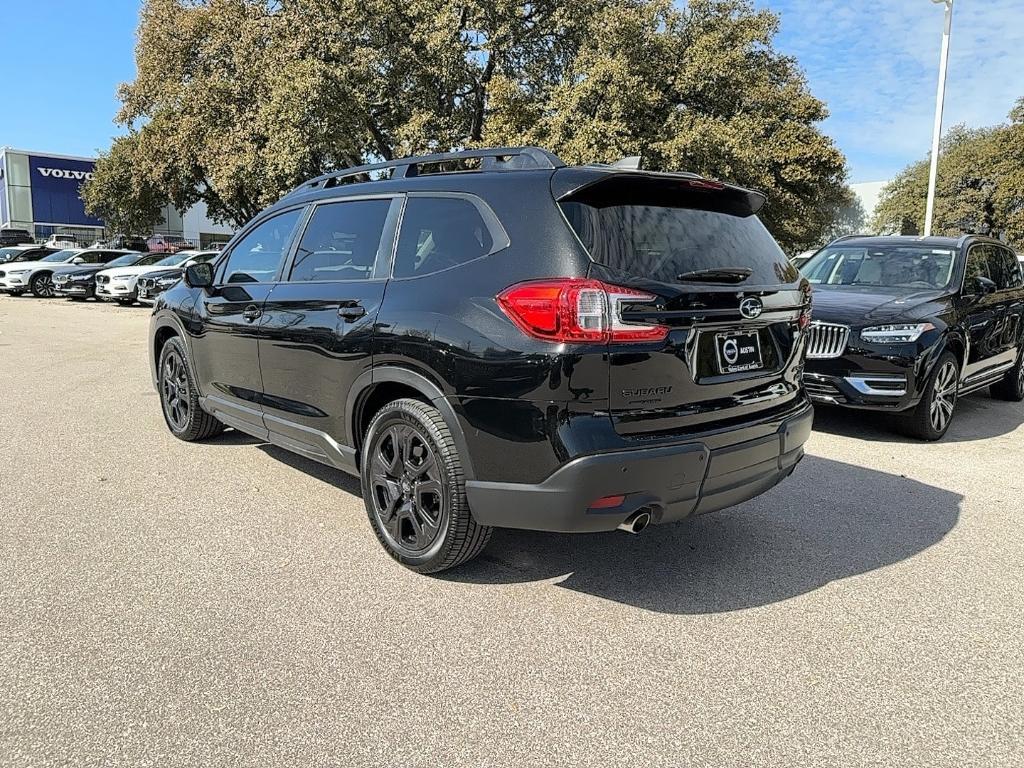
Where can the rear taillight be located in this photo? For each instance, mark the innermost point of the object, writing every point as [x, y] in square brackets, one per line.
[576, 310]
[805, 314]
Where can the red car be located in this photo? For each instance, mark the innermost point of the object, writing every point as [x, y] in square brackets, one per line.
[166, 244]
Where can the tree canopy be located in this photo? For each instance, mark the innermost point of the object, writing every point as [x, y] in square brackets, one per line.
[237, 101]
[121, 194]
[979, 190]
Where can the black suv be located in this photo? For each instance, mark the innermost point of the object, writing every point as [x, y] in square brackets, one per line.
[491, 338]
[908, 324]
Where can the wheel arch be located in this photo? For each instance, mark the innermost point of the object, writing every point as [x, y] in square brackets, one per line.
[958, 344]
[165, 327]
[378, 386]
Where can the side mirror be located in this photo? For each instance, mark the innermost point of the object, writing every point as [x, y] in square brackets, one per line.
[78, 260]
[199, 275]
[983, 286]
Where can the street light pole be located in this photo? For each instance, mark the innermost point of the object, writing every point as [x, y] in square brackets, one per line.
[939, 103]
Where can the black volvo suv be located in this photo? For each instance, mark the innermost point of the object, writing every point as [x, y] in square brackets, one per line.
[908, 324]
[491, 338]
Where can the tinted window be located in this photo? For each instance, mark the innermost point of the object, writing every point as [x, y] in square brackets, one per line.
[438, 233]
[1004, 267]
[662, 242]
[977, 266]
[258, 255]
[341, 241]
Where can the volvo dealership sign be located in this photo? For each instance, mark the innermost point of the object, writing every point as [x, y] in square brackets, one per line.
[55, 190]
[64, 173]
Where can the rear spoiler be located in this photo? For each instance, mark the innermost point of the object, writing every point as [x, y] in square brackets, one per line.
[605, 186]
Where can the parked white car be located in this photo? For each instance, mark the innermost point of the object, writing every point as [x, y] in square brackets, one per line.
[37, 276]
[122, 283]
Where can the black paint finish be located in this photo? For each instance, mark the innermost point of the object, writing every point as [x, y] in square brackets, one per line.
[282, 359]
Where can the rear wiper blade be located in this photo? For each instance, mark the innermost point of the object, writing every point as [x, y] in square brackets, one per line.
[719, 275]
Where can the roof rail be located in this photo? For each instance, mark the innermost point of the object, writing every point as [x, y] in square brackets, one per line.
[497, 158]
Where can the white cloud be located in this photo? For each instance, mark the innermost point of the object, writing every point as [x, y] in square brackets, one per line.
[875, 62]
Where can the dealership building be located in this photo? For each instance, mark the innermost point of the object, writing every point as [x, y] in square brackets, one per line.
[39, 192]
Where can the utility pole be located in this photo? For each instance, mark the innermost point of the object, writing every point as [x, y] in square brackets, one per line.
[939, 103]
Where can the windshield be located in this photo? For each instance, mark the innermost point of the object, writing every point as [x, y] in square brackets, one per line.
[126, 261]
[665, 243]
[173, 260]
[6, 254]
[61, 255]
[150, 259]
[883, 266]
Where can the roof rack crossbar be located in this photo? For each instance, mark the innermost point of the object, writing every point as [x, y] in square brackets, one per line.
[531, 157]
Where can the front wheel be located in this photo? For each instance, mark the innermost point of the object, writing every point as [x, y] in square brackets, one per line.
[179, 398]
[42, 286]
[931, 418]
[414, 489]
[1011, 386]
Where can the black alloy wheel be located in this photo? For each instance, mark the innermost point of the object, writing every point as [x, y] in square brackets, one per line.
[406, 489]
[179, 398]
[42, 286]
[414, 489]
[174, 391]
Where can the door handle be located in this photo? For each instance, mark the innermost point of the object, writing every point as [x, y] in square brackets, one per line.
[351, 311]
[252, 312]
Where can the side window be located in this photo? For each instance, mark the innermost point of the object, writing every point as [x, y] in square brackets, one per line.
[257, 256]
[438, 233]
[92, 257]
[107, 257]
[977, 266]
[1010, 268]
[996, 268]
[341, 241]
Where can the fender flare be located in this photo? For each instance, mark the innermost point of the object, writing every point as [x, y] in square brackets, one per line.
[367, 380]
[172, 321]
[964, 342]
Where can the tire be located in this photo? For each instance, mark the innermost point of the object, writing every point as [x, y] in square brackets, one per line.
[179, 398]
[931, 418]
[1011, 387]
[415, 491]
[41, 285]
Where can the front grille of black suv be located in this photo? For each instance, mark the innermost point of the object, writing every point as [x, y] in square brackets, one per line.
[826, 340]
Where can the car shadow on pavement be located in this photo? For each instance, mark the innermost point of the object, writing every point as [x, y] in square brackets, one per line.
[828, 521]
[977, 417]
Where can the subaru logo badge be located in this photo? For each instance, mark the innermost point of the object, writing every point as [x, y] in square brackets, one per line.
[751, 307]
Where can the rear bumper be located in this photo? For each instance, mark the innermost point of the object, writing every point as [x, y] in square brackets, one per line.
[672, 481]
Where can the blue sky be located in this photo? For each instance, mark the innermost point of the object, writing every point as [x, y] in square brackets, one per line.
[874, 62]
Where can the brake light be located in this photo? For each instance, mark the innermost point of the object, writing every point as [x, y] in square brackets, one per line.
[576, 310]
[805, 314]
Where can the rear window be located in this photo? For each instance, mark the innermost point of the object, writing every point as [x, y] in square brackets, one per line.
[662, 242]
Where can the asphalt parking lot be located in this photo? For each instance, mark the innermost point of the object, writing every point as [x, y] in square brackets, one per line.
[227, 604]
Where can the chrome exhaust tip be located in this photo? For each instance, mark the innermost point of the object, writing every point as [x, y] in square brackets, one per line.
[635, 522]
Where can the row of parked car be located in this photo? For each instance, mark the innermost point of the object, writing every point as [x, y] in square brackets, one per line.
[84, 273]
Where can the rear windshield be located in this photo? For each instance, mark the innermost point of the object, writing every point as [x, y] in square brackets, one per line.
[662, 243]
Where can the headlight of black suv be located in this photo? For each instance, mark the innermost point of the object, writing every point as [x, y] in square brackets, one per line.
[897, 333]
